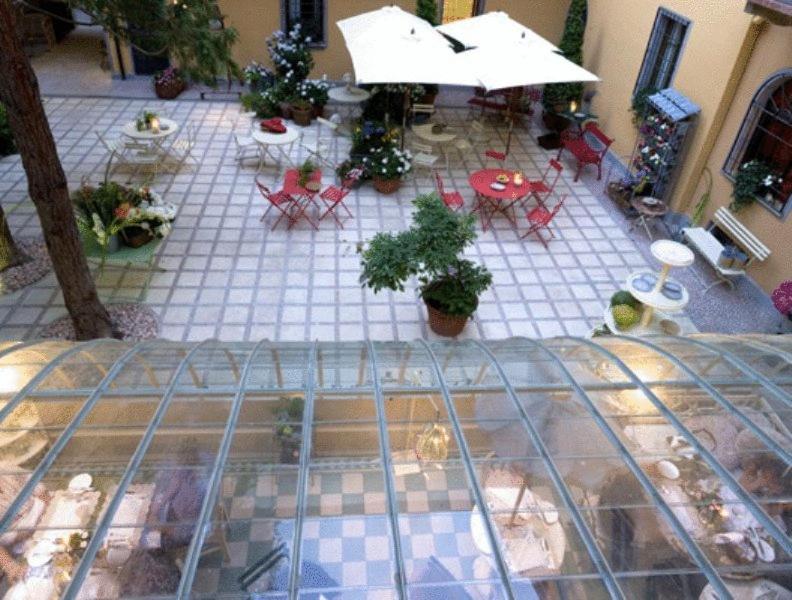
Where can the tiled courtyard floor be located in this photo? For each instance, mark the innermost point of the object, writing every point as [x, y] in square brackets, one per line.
[231, 277]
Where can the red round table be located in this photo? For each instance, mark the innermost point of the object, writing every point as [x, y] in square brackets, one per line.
[496, 200]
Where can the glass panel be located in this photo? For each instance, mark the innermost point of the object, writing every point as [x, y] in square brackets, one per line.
[349, 551]
[280, 367]
[345, 442]
[683, 584]
[414, 408]
[344, 492]
[464, 366]
[433, 488]
[342, 366]
[450, 588]
[484, 406]
[525, 364]
[403, 365]
[345, 407]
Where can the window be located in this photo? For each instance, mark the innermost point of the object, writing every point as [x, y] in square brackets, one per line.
[454, 10]
[766, 135]
[311, 15]
[663, 52]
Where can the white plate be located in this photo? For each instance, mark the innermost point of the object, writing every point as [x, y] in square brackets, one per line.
[80, 483]
[41, 553]
[497, 186]
[650, 201]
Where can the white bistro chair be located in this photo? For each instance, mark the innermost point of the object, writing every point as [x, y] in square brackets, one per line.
[246, 148]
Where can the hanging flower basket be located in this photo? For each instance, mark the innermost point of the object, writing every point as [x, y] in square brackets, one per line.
[386, 186]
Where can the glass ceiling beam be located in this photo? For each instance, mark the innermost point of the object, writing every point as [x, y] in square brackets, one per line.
[134, 462]
[65, 436]
[745, 368]
[203, 524]
[302, 476]
[569, 503]
[387, 465]
[758, 512]
[760, 345]
[695, 552]
[717, 396]
[53, 364]
[471, 472]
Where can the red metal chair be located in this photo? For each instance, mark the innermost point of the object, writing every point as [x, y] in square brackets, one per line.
[586, 154]
[542, 189]
[452, 200]
[540, 218]
[281, 201]
[500, 157]
[333, 196]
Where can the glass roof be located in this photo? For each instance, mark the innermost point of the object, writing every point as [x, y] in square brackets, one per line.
[561, 468]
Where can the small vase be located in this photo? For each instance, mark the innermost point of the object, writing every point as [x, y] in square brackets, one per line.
[386, 186]
[113, 244]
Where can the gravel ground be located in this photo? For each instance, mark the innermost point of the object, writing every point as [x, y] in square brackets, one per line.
[135, 322]
[16, 278]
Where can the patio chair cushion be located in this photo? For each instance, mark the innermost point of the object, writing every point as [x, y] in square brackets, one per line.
[540, 215]
[279, 198]
[332, 193]
[453, 200]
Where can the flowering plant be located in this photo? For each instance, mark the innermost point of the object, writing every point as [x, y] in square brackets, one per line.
[314, 91]
[257, 75]
[290, 54]
[753, 179]
[388, 162]
[106, 210]
[168, 76]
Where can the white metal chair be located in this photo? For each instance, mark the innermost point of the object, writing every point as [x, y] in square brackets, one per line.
[422, 109]
[246, 147]
[126, 153]
[182, 148]
[324, 150]
[423, 157]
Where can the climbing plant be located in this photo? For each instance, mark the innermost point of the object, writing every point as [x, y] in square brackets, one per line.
[571, 47]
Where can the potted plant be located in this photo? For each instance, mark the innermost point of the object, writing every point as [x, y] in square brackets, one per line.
[316, 92]
[168, 84]
[288, 428]
[557, 97]
[431, 250]
[342, 172]
[387, 166]
[301, 111]
[754, 179]
[304, 172]
[111, 212]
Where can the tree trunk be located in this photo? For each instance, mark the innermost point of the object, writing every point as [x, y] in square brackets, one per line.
[10, 254]
[47, 183]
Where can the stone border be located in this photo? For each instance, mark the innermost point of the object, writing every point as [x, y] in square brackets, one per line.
[135, 322]
[14, 279]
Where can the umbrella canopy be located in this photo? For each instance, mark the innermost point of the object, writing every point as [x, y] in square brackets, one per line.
[500, 66]
[493, 28]
[390, 45]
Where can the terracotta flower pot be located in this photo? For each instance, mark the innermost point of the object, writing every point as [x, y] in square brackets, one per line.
[386, 186]
[170, 89]
[302, 116]
[318, 111]
[443, 324]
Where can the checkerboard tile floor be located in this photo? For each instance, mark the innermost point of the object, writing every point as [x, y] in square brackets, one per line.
[229, 276]
[346, 529]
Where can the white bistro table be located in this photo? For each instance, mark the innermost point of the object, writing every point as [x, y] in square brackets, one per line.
[348, 96]
[281, 142]
[167, 128]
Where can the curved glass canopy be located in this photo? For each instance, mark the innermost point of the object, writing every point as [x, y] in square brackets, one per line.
[560, 468]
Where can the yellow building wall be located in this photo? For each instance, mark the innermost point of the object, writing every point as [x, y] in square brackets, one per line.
[773, 52]
[545, 17]
[616, 38]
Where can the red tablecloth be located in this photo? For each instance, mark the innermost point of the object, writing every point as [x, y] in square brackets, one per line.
[291, 187]
[480, 182]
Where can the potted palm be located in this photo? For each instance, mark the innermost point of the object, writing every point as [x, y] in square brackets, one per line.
[431, 250]
[387, 165]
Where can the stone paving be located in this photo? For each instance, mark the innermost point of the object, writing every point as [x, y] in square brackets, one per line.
[229, 276]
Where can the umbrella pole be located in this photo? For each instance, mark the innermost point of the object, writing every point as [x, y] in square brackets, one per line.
[405, 107]
[510, 119]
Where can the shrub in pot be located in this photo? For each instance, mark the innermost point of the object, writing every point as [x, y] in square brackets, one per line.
[301, 111]
[431, 250]
[316, 92]
[258, 77]
[387, 166]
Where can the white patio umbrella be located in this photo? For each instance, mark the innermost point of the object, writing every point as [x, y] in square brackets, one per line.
[493, 27]
[390, 45]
